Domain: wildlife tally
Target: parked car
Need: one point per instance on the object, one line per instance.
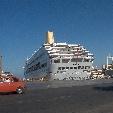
(12, 84)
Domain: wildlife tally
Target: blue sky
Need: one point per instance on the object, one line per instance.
(23, 24)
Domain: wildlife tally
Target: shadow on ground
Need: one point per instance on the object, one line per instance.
(103, 88)
(8, 93)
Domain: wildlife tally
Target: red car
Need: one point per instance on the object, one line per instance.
(12, 84)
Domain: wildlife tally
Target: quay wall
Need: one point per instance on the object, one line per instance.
(66, 83)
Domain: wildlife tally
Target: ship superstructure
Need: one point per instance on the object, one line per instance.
(59, 61)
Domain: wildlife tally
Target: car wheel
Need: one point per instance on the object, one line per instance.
(20, 90)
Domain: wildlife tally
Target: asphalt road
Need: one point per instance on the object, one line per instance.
(78, 99)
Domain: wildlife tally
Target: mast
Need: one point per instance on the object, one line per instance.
(0, 65)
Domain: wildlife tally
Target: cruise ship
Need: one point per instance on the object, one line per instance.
(59, 61)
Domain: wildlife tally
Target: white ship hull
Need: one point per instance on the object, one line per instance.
(59, 61)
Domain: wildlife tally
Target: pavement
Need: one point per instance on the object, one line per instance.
(96, 98)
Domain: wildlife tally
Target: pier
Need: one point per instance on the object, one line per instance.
(96, 98)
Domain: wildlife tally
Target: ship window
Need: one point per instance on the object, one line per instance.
(87, 67)
(57, 71)
(35, 67)
(91, 60)
(71, 67)
(65, 60)
(74, 64)
(47, 47)
(79, 59)
(59, 68)
(67, 67)
(38, 63)
(86, 60)
(32, 68)
(74, 60)
(57, 61)
(42, 65)
(79, 67)
(82, 67)
(75, 67)
(63, 68)
(50, 57)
